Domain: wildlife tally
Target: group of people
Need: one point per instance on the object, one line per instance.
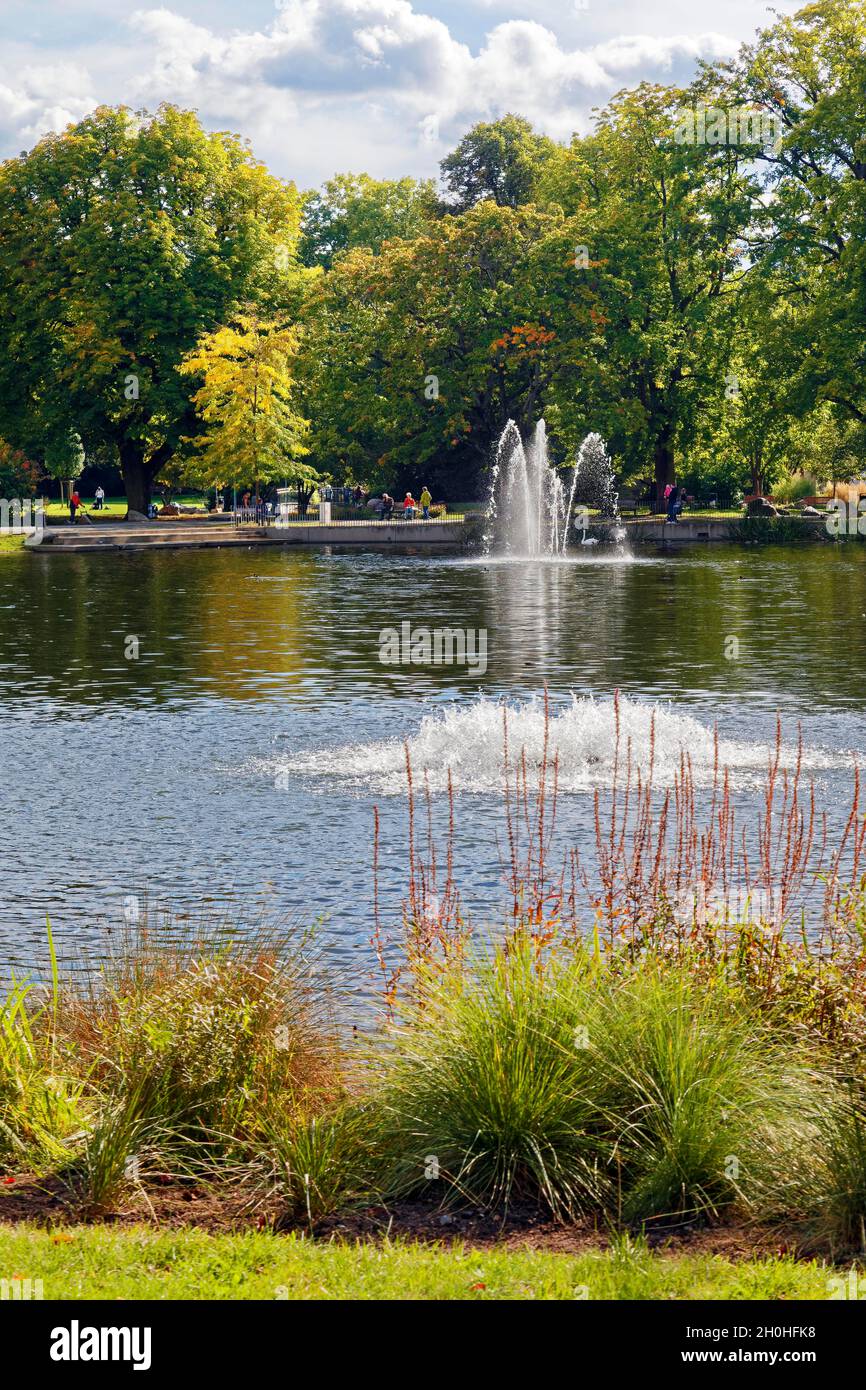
(385, 506)
(675, 499)
(76, 505)
(263, 510)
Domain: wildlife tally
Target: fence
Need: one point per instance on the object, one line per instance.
(340, 516)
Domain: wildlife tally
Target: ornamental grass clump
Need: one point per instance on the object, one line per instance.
(188, 1046)
(820, 1189)
(701, 1101)
(484, 1091)
(39, 1106)
(557, 1083)
(311, 1166)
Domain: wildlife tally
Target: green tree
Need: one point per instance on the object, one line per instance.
(122, 240)
(809, 72)
(420, 355)
(251, 429)
(353, 210)
(502, 161)
(64, 455)
(657, 223)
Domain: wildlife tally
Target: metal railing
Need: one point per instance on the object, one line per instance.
(340, 516)
(253, 516)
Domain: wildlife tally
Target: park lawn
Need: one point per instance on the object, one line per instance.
(8, 544)
(144, 1263)
(114, 507)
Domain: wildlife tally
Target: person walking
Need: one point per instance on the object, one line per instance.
(424, 502)
(74, 504)
(99, 499)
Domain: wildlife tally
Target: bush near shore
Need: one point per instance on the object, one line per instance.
(656, 1067)
(631, 1092)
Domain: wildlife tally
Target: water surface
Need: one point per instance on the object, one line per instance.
(239, 757)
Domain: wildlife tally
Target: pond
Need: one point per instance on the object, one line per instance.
(215, 727)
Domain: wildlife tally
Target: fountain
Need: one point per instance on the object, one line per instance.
(529, 509)
(593, 480)
(529, 512)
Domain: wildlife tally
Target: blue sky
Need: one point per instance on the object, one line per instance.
(321, 86)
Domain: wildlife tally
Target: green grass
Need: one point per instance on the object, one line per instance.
(114, 508)
(9, 544)
(139, 1263)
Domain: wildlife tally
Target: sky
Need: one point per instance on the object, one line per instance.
(327, 86)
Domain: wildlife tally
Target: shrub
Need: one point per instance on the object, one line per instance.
(795, 488)
(484, 1092)
(200, 1039)
(644, 1096)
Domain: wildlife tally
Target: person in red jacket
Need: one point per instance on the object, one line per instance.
(74, 504)
(409, 507)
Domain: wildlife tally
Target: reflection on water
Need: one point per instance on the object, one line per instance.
(188, 769)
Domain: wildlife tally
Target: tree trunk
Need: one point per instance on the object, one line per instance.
(304, 494)
(664, 469)
(137, 476)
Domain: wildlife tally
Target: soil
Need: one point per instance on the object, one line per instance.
(170, 1204)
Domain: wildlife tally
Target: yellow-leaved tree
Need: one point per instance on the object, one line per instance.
(252, 432)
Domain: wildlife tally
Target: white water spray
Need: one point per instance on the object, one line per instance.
(529, 510)
(580, 734)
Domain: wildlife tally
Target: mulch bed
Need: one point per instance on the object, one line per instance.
(170, 1204)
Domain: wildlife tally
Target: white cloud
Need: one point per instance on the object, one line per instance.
(335, 84)
(637, 52)
(39, 98)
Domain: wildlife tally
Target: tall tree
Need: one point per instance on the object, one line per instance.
(252, 430)
(421, 355)
(809, 72)
(658, 225)
(502, 161)
(122, 240)
(353, 210)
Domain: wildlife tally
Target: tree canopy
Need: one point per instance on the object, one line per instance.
(122, 240)
(251, 429)
(676, 278)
